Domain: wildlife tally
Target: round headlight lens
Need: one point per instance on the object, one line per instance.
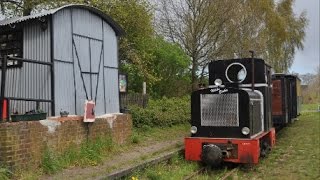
(218, 82)
(193, 129)
(245, 131)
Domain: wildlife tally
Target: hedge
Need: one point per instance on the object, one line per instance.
(162, 113)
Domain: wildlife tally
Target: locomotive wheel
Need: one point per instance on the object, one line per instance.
(211, 155)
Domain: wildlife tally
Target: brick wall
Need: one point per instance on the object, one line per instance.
(22, 143)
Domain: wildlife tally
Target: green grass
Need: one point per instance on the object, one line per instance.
(176, 168)
(296, 154)
(310, 107)
(93, 153)
(90, 153)
(5, 173)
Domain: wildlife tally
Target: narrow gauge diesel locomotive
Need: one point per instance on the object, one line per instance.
(286, 99)
(231, 120)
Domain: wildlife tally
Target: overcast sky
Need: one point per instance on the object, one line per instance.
(307, 60)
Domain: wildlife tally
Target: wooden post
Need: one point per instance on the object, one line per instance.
(144, 95)
(144, 88)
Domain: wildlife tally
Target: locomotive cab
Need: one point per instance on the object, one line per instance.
(231, 120)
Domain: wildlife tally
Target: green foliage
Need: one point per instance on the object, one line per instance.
(89, 153)
(5, 173)
(210, 30)
(171, 68)
(162, 113)
(135, 138)
(136, 46)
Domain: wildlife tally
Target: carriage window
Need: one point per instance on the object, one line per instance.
(11, 45)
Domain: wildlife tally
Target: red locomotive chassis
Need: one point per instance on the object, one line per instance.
(246, 151)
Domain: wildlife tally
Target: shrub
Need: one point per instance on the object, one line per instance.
(162, 113)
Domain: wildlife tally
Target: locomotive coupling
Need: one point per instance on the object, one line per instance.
(226, 154)
(211, 155)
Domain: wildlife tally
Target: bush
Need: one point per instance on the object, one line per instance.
(162, 113)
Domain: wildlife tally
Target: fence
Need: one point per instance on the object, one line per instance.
(138, 99)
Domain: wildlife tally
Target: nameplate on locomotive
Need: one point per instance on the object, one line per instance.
(218, 90)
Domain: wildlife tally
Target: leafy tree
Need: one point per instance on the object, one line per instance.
(286, 34)
(217, 29)
(201, 27)
(171, 68)
(135, 16)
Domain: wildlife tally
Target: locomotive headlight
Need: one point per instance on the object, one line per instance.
(193, 129)
(245, 131)
(218, 82)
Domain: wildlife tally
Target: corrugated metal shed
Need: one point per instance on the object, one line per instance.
(119, 31)
(81, 44)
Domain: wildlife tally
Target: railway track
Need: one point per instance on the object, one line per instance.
(197, 173)
(165, 157)
(127, 171)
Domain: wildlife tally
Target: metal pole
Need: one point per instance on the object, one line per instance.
(3, 84)
(252, 70)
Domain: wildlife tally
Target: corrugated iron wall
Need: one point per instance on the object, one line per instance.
(63, 61)
(89, 33)
(110, 44)
(31, 80)
(93, 38)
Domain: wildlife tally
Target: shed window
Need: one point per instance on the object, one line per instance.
(11, 45)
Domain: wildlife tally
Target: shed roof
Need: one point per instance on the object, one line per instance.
(15, 20)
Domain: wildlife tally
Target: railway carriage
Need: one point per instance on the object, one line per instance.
(231, 120)
(286, 99)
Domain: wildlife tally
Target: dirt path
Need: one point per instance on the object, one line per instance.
(123, 160)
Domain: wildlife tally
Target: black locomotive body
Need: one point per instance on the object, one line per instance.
(232, 120)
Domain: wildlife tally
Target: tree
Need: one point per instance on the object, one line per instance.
(312, 94)
(307, 78)
(11, 8)
(201, 27)
(171, 68)
(209, 30)
(135, 16)
(287, 33)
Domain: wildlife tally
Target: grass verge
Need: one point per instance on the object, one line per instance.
(176, 168)
(93, 153)
(295, 156)
(310, 107)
